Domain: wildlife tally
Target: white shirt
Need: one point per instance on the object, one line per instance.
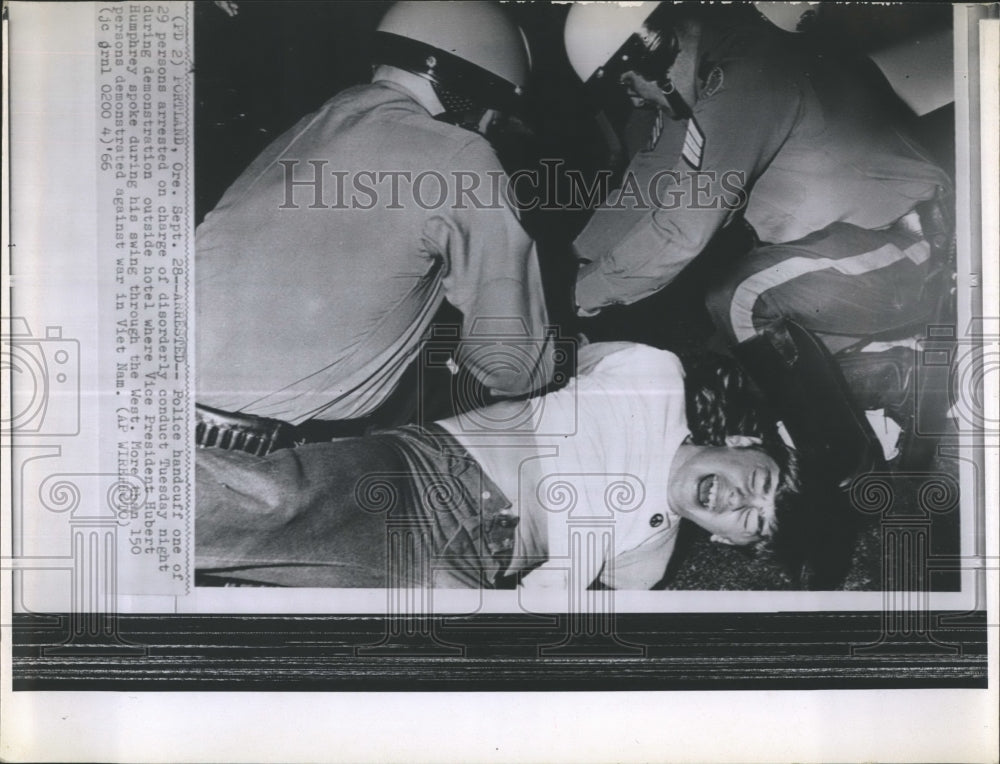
(587, 466)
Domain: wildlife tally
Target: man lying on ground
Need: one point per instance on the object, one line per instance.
(505, 493)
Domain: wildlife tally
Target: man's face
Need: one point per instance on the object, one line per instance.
(729, 491)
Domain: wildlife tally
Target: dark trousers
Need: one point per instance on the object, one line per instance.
(844, 283)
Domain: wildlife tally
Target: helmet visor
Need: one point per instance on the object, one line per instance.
(649, 55)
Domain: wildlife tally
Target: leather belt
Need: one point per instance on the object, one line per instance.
(241, 432)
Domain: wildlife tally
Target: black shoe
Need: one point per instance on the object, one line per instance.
(888, 381)
(803, 384)
(882, 381)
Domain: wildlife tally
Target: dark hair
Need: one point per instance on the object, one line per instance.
(787, 499)
(721, 401)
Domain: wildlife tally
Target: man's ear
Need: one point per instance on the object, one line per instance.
(742, 441)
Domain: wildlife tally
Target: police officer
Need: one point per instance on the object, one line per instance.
(323, 265)
(801, 149)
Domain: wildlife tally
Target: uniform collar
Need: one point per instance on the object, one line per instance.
(404, 91)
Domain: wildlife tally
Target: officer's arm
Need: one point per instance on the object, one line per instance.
(492, 277)
(733, 136)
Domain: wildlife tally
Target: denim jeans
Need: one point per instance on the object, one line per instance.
(403, 507)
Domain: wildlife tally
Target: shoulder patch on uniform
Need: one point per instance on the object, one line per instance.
(694, 144)
(713, 82)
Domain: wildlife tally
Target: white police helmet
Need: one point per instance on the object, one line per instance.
(604, 40)
(472, 53)
(790, 17)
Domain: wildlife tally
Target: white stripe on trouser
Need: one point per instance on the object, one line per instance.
(753, 287)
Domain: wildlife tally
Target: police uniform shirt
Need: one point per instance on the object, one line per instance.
(324, 263)
(794, 138)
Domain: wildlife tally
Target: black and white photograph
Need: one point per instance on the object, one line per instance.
(637, 356)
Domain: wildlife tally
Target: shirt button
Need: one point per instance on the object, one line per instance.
(487, 495)
(656, 520)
